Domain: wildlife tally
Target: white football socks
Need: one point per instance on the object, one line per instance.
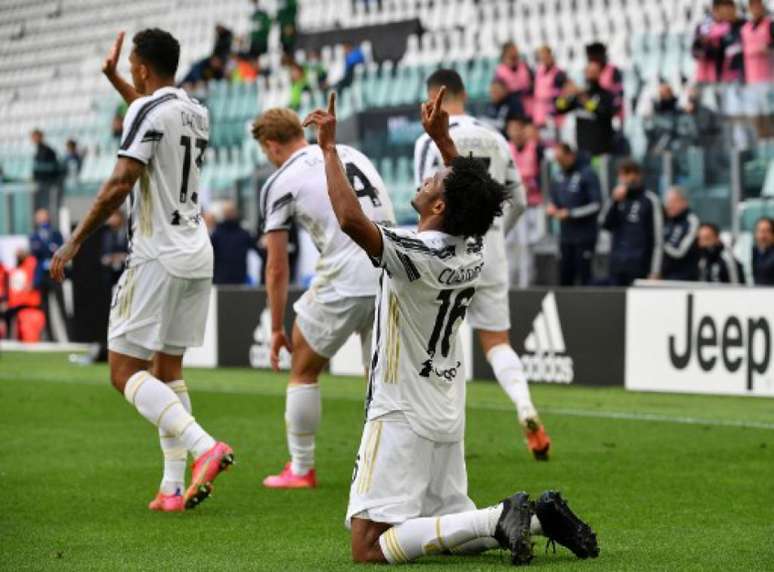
(432, 535)
(302, 419)
(161, 406)
(510, 374)
(175, 454)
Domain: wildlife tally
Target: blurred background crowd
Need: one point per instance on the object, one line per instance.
(644, 132)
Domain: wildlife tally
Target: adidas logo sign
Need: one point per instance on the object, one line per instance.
(545, 359)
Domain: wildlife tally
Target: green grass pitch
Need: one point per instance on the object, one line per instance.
(669, 482)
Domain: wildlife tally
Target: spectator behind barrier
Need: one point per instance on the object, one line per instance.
(73, 161)
(223, 40)
(115, 248)
(502, 105)
(44, 241)
(286, 18)
(716, 262)
(681, 227)
(353, 57)
(758, 48)
(610, 77)
(549, 83)
(24, 299)
(298, 85)
(576, 200)
(708, 47)
(763, 253)
(516, 75)
(527, 153)
(46, 172)
(635, 219)
(260, 27)
(594, 107)
(230, 245)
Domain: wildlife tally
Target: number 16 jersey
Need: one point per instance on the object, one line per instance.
(168, 132)
(298, 191)
(417, 368)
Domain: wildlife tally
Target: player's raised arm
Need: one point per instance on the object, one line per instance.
(111, 196)
(352, 220)
(435, 120)
(110, 69)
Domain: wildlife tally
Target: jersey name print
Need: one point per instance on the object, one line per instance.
(428, 281)
(168, 132)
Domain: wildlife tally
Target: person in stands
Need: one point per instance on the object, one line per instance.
(681, 227)
(549, 83)
(576, 200)
(610, 77)
(717, 263)
(763, 253)
(758, 50)
(516, 74)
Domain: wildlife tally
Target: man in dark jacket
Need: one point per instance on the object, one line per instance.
(681, 227)
(595, 111)
(230, 245)
(763, 253)
(44, 241)
(716, 262)
(576, 200)
(635, 220)
(46, 173)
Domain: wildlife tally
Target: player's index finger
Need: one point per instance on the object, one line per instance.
(439, 97)
(332, 103)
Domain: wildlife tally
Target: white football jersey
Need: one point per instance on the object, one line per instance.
(299, 191)
(472, 137)
(417, 367)
(168, 132)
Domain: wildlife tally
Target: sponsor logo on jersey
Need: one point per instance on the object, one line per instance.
(260, 351)
(546, 358)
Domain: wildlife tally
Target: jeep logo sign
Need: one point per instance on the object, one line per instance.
(700, 341)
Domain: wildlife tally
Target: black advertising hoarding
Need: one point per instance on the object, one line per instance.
(567, 336)
(244, 326)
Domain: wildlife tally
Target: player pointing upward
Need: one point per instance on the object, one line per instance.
(160, 304)
(409, 492)
(489, 313)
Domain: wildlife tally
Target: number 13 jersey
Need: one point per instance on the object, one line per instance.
(299, 191)
(168, 133)
(417, 367)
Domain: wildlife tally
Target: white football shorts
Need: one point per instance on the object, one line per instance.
(326, 326)
(153, 311)
(399, 475)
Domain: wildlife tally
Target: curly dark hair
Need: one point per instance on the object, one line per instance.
(159, 49)
(473, 198)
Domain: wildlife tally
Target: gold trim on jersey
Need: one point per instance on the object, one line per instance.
(393, 340)
(126, 295)
(369, 457)
(146, 205)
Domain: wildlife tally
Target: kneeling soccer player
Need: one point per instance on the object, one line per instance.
(160, 304)
(409, 491)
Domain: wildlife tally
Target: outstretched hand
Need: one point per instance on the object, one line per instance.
(110, 64)
(435, 119)
(325, 121)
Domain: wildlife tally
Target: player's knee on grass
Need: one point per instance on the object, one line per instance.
(365, 540)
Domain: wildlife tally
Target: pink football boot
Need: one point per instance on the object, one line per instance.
(204, 470)
(167, 503)
(287, 479)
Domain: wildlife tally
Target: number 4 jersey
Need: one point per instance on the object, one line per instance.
(417, 367)
(299, 191)
(168, 133)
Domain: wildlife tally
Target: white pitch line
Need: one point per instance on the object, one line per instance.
(225, 388)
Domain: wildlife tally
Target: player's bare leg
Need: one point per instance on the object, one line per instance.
(510, 374)
(302, 416)
(506, 524)
(160, 405)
